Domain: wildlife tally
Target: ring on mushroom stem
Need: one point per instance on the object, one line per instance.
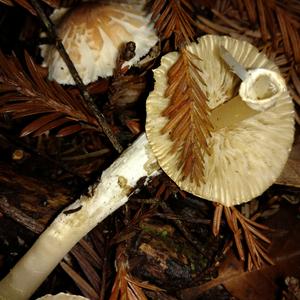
(260, 88)
(92, 33)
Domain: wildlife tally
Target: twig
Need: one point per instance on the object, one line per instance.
(217, 219)
(20, 217)
(89, 103)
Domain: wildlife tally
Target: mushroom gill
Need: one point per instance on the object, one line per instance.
(92, 33)
(247, 148)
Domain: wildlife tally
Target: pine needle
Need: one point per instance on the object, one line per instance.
(188, 125)
(173, 17)
(247, 229)
(29, 93)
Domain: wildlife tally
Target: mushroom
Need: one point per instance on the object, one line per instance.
(92, 33)
(252, 132)
(248, 151)
(62, 296)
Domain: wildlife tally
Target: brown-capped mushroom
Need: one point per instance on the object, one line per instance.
(248, 147)
(92, 34)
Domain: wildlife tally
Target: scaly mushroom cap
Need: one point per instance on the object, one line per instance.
(248, 148)
(92, 34)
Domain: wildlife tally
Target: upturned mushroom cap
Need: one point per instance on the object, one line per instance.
(92, 34)
(62, 296)
(248, 148)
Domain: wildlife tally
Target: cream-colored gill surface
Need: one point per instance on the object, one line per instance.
(248, 149)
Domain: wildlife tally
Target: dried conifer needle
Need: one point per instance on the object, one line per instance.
(188, 125)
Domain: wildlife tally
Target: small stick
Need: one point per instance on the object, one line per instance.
(217, 219)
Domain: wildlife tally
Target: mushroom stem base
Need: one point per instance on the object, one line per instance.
(111, 192)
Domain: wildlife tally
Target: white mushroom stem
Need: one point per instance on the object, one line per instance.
(78, 219)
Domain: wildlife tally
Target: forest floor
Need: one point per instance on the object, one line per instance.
(162, 238)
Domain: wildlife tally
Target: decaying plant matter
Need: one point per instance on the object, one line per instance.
(126, 286)
(244, 229)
